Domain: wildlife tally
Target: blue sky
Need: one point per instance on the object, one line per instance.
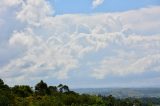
(81, 43)
(85, 6)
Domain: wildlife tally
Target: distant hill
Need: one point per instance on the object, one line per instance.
(122, 92)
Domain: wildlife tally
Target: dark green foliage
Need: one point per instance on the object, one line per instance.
(52, 89)
(3, 86)
(61, 95)
(41, 88)
(60, 87)
(5, 94)
(22, 90)
(63, 88)
(4, 100)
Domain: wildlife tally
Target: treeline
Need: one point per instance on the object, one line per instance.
(61, 95)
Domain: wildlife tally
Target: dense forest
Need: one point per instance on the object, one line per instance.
(61, 95)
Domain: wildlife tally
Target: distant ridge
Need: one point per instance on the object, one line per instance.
(121, 92)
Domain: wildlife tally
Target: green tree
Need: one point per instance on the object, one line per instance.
(137, 102)
(65, 88)
(3, 86)
(22, 90)
(5, 94)
(60, 87)
(52, 88)
(110, 100)
(4, 100)
(41, 88)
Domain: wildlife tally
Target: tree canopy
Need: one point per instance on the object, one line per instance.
(61, 95)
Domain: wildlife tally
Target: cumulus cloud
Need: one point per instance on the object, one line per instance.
(34, 11)
(10, 2)
(126, 64)
(55, 46)
(4, 4)
(24, 38)
(96, 3)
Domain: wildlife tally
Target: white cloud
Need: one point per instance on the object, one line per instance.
(96, 3)
(10, 2)
(23, 38)
(55, 46)
(126, 64)
(147, 25)
(4, 4)
(33, 11)
(41, 56)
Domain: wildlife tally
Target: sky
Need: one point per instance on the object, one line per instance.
(81, 43)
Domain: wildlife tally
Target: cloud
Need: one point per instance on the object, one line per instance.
(25, 38)
(4, 4)
(41, 55)
(54, 46)
(96, 3)
(126, 64)
(10, 2)
(34, 11)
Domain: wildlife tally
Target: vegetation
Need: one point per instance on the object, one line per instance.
(61, 95)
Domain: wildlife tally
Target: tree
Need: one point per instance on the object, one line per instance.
(4, 100)
(1, 82)
(41, 88)
(52, 88)
(65, 88)
(22, 90)
(137, 102)
(60, 86)
(110, 100)
(3, 86)
(5, 94)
